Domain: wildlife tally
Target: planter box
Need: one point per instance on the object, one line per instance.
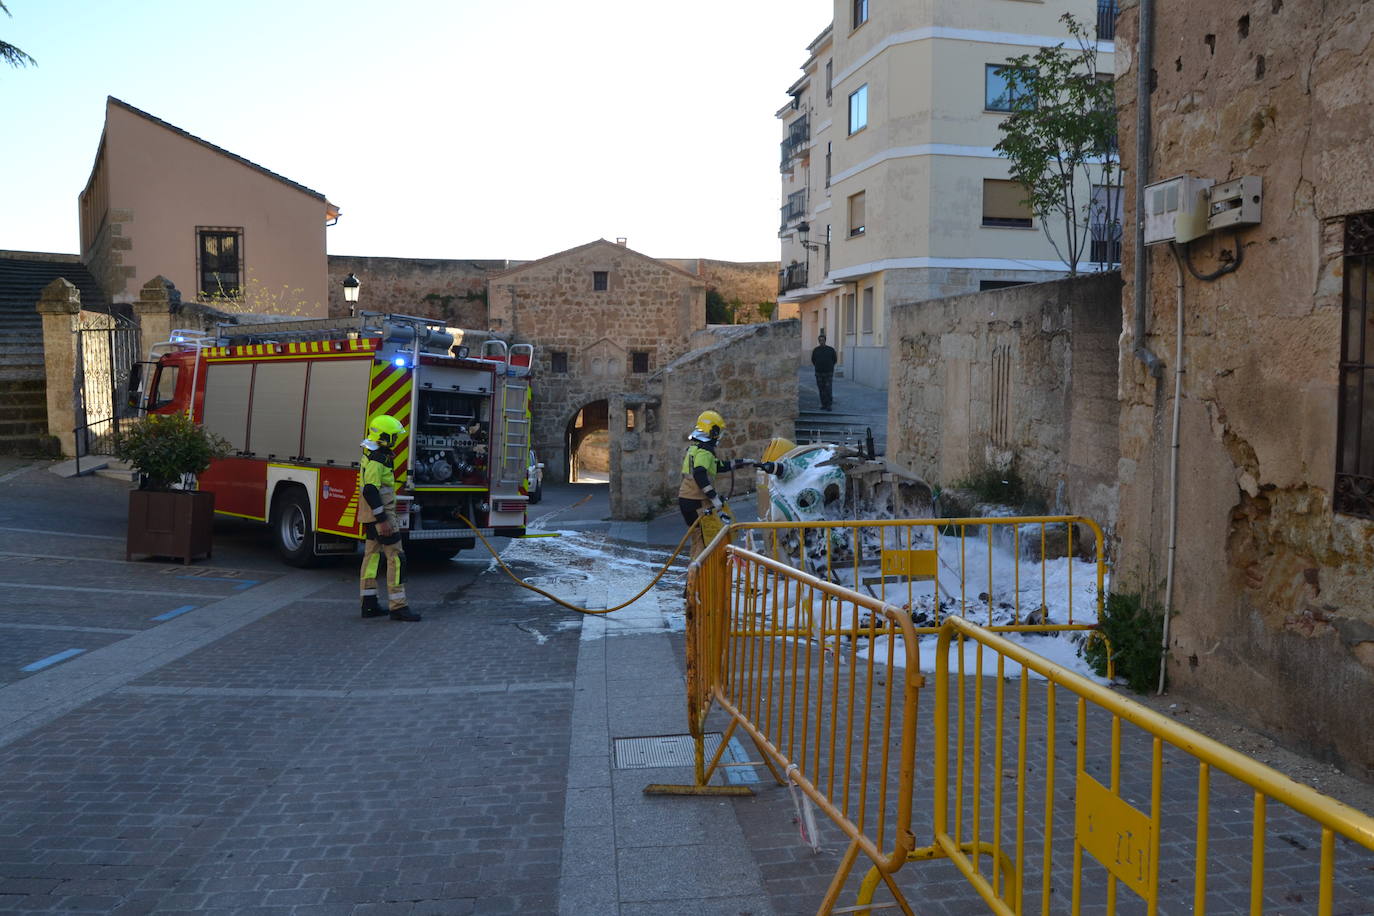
(174, 523)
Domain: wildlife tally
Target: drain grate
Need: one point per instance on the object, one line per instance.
(660, 751)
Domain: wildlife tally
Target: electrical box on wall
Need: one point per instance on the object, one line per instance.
(1176, 209)
(1235, 203)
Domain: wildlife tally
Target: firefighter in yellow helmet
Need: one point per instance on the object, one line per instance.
(377, 511)
(697, 495)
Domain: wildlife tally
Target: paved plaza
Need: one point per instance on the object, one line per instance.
(229, 736)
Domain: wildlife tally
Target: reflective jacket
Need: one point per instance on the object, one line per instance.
(377, 487)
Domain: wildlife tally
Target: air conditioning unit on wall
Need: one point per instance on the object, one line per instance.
(1176, 209)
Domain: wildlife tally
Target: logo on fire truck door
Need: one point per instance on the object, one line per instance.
(337, 509)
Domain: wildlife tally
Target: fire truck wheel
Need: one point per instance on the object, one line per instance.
(291, 528)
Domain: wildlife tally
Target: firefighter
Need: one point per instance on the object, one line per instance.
(697, 495)
(377, 509)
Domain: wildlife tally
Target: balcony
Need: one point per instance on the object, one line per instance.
(793, 210)
(1106, 20)
(791, 277)
(798, 135)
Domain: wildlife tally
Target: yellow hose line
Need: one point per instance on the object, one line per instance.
(567, 604)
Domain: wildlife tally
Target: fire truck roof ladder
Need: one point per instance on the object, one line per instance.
(431, 333)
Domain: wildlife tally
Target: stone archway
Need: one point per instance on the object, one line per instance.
(587, 444)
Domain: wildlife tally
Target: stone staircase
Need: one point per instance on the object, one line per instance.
(23, 385)
(856, 409)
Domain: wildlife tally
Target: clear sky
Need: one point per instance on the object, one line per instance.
(441, 128)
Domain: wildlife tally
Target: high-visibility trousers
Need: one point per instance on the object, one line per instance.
(374, 549)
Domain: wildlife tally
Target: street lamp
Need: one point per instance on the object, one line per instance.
(350, 287)
(803, 230)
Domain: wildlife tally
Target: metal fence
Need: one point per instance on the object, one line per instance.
(106, 350)
(807, 638)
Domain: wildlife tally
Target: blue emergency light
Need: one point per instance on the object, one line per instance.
(400, 361)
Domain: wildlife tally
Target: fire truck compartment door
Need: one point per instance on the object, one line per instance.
(278, 408)
(336, 412)
(451, 378)
(226, 401)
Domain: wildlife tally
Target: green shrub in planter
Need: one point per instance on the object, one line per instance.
(163, 448)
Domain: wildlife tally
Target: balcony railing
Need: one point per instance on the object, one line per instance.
(794, 209)
(1105, 247)
(791, 277)
(798, 134)
(1106, 20)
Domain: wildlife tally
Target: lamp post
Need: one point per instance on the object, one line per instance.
(350, 288)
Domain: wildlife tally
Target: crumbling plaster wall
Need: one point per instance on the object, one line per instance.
(1023, 376)
(750, 377)
(1274, 592)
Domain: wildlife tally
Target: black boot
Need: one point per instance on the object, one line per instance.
(371, 608)
(404, 613)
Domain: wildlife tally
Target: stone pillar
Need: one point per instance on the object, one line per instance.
(158, 301)
(59, 304)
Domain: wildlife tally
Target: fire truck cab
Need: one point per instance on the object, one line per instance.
(294, 399)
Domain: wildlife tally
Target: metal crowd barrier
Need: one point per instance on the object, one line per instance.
(807, 640)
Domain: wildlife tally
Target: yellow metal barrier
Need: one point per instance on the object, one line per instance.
(1123, 821)
(807, 640)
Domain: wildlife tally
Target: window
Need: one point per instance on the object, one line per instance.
(639, 361)
(560, 362)
(1106, 20)
(997, 95)
(629, 418)
(1004, 204)
(1104, 224)
(1355, 415)
(860, 13)
(858, 109)
(164, 386)
(219, 262)
(868, 310)
(601, 279)
(829, 75)
(849, 315)
(857, 217)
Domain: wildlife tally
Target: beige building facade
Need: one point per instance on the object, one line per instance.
(891, 189)
(1271, 588)
(160, 201)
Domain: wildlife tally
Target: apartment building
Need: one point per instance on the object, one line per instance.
(891, 189)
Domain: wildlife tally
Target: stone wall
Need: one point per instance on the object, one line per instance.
(1022, 377)
(749, 376)
(1273, 597)
(108, 259)
(751, 282)
(454, 290)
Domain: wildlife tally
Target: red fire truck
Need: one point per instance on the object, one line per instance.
(294, 399)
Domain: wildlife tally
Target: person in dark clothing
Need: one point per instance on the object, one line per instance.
(823, 358)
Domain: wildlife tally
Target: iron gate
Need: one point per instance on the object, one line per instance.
(106, 351)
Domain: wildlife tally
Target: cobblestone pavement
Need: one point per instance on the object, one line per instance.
(230, 737)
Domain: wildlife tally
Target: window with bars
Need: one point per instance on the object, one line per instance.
(559, 362)
(1355, 419)
(601, 280)
(639, 361)
(219, 262)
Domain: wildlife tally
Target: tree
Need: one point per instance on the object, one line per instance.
(9, 53)
(1061, 135)
(718, 311)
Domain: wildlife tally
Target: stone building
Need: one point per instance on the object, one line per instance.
(452, 289)
(1272, 585)
(891, 190)
(603, 318)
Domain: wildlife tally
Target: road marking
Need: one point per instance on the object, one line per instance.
(15, 473)
(240, 584)
(110, 591)
(52, 660)
(64, 534)
(175, 612)
(32, 702)
(5, 625)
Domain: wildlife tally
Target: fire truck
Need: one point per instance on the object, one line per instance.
(294, 398)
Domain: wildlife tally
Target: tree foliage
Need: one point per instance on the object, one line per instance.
(1060, 140)
(9, 53)
(164, 448)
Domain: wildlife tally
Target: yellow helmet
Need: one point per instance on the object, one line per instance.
(385, 430)
(710, 424)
